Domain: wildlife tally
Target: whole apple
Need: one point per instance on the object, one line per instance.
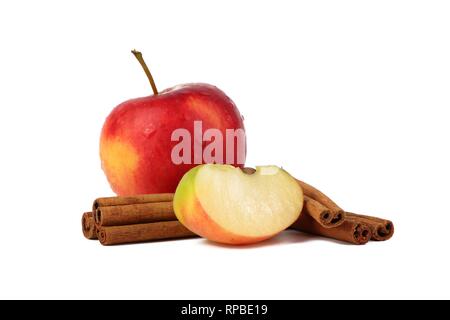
(137, 140)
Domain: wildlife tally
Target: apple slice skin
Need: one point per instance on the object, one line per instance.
(193, 216)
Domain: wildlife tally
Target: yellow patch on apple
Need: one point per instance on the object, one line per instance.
(120, 161)
(226, 205)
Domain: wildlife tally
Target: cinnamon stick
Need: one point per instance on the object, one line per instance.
(143, 232)
(124, 200)
(88, 226)
(381, 229)
(322, 214)
(310, 191)
(350, 230)
(134, 214)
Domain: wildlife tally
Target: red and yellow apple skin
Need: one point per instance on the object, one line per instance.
(192, 214)
(135, 143)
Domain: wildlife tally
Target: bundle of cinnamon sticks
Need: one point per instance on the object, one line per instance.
(322, 216)
(142, 218)
(120, 220)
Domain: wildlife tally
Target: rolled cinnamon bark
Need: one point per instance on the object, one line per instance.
(143, 232)
(322, 214)
(144, 198)
(134, 214)
(88, 226)
(319, 196)
(381, 229)
(351, 231)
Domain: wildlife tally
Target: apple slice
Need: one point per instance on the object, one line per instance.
(226, 205)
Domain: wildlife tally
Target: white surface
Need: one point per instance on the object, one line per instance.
(351, 96)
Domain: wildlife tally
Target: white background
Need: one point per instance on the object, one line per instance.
(351, 96)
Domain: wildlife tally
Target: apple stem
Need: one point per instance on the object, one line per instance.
(139, 58)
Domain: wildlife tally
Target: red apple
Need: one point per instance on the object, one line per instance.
(139, 138)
